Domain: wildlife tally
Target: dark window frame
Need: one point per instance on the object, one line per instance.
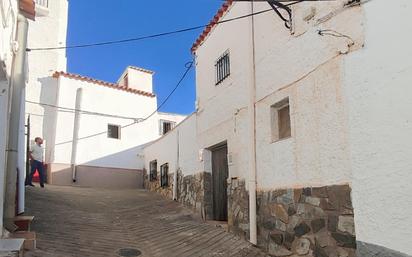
(281, 123)
(110, 133)
(164, 175)
(222, 67)
(153, 170)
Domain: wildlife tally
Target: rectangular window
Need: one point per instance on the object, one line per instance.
(280, 119)
(166, 126)
(164, 175)
(153, 170)
(222, 67)
(113, 131)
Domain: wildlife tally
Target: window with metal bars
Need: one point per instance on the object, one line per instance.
(113, 131)
(153, 170)
(164, 175)
(222, 68)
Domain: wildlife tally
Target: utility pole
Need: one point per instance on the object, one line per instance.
(16, 89)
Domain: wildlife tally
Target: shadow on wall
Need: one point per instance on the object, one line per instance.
(109, 171)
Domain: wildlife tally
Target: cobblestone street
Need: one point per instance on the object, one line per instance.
(84, 222)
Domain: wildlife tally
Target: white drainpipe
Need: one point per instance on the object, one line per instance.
(175, 185)
(18, 83)
(76, 126)
(252, 136)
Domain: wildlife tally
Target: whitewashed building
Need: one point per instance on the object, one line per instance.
(300, 140)
(49, 30)
(97, 129)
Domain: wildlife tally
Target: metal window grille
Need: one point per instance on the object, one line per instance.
(153, 170)
(222, 68)
(44, 3)
(167, 126)
(113, 131)
(164, 175)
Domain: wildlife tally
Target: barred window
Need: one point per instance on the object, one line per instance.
(222, 67)
(164, 175)
(113, 131)
(153, 170)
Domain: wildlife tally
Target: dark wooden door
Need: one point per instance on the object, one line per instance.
(219, 187)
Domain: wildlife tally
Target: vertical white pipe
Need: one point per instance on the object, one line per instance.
(175, 185)
(76, 126)
(22, 155)
(18, 83)
(252, 137)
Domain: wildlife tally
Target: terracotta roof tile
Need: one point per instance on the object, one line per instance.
(220, 13)
(102, 83)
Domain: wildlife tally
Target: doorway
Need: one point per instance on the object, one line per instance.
(220, 173)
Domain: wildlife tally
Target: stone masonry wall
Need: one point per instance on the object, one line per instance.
(310, 222)
(154, 186)
(238, 208)
(194, 191)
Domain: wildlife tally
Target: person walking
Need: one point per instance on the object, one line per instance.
(36, 157)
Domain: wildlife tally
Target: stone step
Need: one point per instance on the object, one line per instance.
(11, 247)
(23, 222)
(29, 239)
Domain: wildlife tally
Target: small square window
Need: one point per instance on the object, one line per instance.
(113, 131)
(166, 126)
(222, 67)
(164, 175)
(153, 170)
(280, 119)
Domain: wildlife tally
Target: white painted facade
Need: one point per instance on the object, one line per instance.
(349, 107)
(178, 148)
(49, 30)
(8, 16)
(378, 92)
(94, 147)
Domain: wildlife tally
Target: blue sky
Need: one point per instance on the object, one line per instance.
(105, 20)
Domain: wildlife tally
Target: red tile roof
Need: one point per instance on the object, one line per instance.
(222, 11)
(57, 74)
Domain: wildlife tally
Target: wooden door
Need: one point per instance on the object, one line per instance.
(219, 185)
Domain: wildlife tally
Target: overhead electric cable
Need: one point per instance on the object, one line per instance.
(188, 66)
(65, 109)
(120, 41)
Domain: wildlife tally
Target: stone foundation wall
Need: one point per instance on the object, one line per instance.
(311, 222)
(238, 208)
(194, 191)
(154, 186)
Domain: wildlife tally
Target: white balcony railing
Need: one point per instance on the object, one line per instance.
(43, 3)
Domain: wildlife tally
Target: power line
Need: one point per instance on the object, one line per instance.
(188, 66)
(70, 110)
(168, 33)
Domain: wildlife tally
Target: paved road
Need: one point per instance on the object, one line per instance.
(86, 222)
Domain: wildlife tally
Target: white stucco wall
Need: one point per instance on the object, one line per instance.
(139, 79)
(179, 144)
(378, 89)
(48, 30)
(222, 108)
(100, 150)
(306, 68)
(303, 66)
(8, 16)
